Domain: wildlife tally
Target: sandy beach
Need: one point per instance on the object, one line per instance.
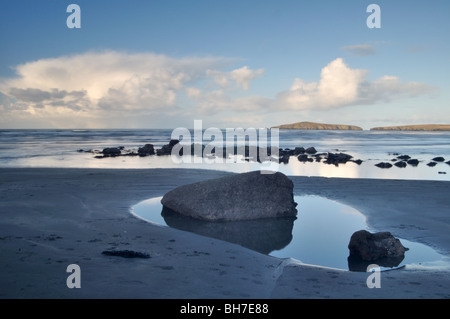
(51, 218)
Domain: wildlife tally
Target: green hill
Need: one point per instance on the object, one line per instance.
(317, 126)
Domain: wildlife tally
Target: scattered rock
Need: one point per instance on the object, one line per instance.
(400, 164)
(146, 150)
(245, 196)
(304, 158)
(404, 157)
(125, 253)
(111, 152)
(167, 149)
(384, 165)
(442, 172)
(337, 158)
(438, 159)
(432, 164)
(310, 150)
(372, 247)
(299, 150)
(358, 161)
(283, 159)
(413, 162)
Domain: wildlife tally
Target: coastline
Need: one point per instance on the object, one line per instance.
(53, 217)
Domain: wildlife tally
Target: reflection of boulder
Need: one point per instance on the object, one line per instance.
(245, 196)
(262, 235)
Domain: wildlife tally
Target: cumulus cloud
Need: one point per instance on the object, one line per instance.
(341, 86)
(97, 82)
(242, 77)
(101, 89)
(360, 49)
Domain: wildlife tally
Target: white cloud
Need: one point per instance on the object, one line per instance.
(113, 89)
(244, 76)
(341, 86)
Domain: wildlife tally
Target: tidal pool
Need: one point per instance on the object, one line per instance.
(319, 235)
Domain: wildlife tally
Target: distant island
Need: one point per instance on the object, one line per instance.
(318, 126)
(423, 127)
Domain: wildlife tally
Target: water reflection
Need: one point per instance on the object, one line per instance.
(319, 235)
(262, 235)
(357, 264)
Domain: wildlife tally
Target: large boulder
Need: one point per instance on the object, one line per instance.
(245, 196)
(376, 246)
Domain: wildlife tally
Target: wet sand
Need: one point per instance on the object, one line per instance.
(51, 218)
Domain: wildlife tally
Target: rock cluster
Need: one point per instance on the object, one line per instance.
(405, 160)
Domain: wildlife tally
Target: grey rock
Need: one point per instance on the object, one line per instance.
(245, 196)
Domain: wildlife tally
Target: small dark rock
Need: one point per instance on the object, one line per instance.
(304, 158)
(283, 159)
(404, 157)
(413, 162)
(337, 158)
(442, 172)
(358, 161)
(111, 151)
(147, 149)
(384, 165)
(299, 150)
(439, 159)
(167, 149)
(400, 164)
(432, 164)
(310, 150)
(125, 253)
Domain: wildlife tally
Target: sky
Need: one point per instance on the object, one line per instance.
(247, 63)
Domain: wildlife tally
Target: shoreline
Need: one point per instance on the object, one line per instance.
(53, 217)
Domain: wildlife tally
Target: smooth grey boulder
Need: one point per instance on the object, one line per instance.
(376, 246)
(245, 196)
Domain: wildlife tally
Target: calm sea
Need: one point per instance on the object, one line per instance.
(61, 148)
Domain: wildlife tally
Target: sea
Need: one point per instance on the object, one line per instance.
(78, 148)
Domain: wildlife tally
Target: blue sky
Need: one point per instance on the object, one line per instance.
(163, 64)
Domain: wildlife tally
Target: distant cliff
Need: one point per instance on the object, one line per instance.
(426, 127)
(318, 126)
